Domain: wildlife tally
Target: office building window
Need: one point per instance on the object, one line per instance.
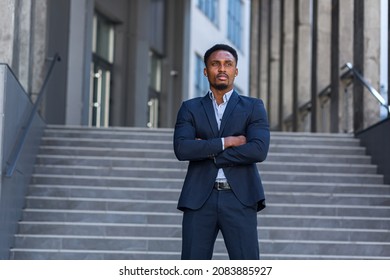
(209, 8)
(235, 22)
(201, 82)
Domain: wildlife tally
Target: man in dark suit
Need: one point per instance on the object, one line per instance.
(222, 135)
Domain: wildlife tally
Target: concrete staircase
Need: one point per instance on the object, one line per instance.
(112, 194)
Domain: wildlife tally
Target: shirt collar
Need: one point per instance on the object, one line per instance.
(226, 96)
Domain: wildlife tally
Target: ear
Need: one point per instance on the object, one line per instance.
(236, 72)
(205, 72)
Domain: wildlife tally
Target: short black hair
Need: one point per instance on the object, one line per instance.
(219, 47)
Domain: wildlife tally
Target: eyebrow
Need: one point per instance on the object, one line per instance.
(222, 60)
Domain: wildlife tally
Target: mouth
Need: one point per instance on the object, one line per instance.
(222, 77)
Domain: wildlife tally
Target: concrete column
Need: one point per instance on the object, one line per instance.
(304, 59)
(335, 69)
(371, 60)
(76, 77)
(288, 67)
(7, 30)
(176, 30)
(281, 62)
(346, 31)
(24, 43)
(254, 48)
(39, 44)
(23, 40)
(323, 61)
(274, 64)
(358, 63)
(263, 73)
(314, 67)
(138, 61)
(346, 55)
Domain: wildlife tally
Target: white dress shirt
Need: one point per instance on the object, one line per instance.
(219, 110)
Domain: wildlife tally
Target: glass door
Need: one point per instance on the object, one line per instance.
(101, 71)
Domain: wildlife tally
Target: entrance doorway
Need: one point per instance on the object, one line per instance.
(101, 71)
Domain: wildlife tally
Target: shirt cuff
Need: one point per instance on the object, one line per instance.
(223, 143)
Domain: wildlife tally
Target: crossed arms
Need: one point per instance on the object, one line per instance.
(239, 149)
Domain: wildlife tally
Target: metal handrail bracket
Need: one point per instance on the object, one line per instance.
(17, 149)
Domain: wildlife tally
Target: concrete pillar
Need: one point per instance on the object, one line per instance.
(288, 68)
(39, 45)
(371, 60)
(76, 69)
(138, 83)
(358, 63)
(173, 66)
(7, 28)
(263, 73)
(304, 59)
(254, 48)
(274, 64)
(346, 31)
(24, 40)
(346, 55)
(323, 61)
(335, 69)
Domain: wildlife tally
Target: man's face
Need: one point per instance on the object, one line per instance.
(221, 70)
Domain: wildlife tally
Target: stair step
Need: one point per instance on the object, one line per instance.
(327, 187)
(146, 217)
(172, 194)
(167, 145)
(283, 187)
(44, 254)
(167, 160)
(106, 152)
(169, 196)
(174, 230)
(128, 178)
(58, 137)
(326, 207)
(318, 158)
(168, 166)
(106, 181)
(314, 248)
(111, 193)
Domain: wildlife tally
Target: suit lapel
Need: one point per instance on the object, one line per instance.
(234, 98)
(208, 107)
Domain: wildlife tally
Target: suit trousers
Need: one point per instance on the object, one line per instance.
(221, 212)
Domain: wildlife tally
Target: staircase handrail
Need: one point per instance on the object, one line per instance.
(17, 149)
(367, 85)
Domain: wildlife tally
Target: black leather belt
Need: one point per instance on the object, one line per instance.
(222, 186)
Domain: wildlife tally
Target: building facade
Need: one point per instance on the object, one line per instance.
(299, 52)
(123, 63)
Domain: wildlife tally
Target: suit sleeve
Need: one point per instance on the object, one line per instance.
(186, 145)
(257, 136)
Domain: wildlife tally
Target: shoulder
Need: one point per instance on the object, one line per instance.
(250, 100)
(195, 102)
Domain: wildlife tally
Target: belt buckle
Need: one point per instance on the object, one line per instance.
(222, 186)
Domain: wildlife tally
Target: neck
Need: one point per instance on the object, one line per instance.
(218, 94)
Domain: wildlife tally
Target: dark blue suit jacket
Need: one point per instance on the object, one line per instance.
(196, 120)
